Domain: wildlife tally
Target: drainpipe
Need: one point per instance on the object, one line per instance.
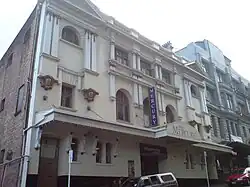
(40, 15)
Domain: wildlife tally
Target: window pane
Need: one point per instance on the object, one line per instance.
(20, 98)
(74, 147)
(99, 152)
(108, 153)
(67, 96)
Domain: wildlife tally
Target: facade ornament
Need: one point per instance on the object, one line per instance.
(89, 94)
(47, 81)
(208, 128)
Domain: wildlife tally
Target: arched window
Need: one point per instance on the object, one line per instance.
(74, 147)
(122, 106)
(194, 91)
(70, 34)
(169, 115)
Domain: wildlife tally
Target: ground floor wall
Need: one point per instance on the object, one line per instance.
(181, 158)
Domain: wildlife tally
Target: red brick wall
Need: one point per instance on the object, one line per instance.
(11, 78)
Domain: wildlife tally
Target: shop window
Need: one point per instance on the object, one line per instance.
(70, 34)
(99, 152)
(186, 162)
(2, 154)
(192, 161)
(20, 98)
(74, 147)
(122, 106)
(108, 153)
(67, 96)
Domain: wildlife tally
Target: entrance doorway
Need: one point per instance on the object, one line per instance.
(48, 163)
(150, 157)
(149, 164)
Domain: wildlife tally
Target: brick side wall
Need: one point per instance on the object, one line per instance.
(11, 78)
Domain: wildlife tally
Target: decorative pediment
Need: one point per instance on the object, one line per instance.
(89, 94)
(47, 81)
(86, 6)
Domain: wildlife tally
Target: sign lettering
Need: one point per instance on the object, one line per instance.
(181, 131)
(153, 108)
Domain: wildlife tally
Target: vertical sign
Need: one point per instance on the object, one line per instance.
(153, 108)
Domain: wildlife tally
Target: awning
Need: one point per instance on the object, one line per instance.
(214, 147)
(239, 147)
(179, 130)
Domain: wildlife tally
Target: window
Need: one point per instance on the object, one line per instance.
(229, 101)
(122, 106)
(10, 59)
(192, 163)
(167, 178)
(194, 91)
(2, 154)
(74, 147)
(210, 95)
(233, 128)
(169, 115)
(70, 34)
(67, 96)
(166, 76)
(27, 36)
(237, 129)
(244, 131)
(202, 156)
(9, 155)
(146, 68)
(155, 180)
(228, 127)
(219, 76)
(186, 160)
(2, 105)
(99, 152)
(108, 153)
(20, 98)
(204, 66)
(121, 56)
(214, 125)
(222, 129)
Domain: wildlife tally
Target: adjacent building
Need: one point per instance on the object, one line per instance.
(227, 95)
(80, 80)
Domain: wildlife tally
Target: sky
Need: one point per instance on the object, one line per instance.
(224, 22)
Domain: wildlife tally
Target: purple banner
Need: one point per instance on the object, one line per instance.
(153, 108)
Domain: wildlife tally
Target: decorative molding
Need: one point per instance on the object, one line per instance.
(89, 94)
(47, 81)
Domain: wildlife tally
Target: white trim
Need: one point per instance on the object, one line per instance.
(31, 115)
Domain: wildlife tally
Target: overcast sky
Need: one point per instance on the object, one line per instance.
(223, 22)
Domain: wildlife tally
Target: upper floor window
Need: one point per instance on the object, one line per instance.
(74, 147)
(121, 56)
(27, 36)
(122, 106)
(10, 59)
(220, 76)
(204, 66)
(2, 105)
(166, 76)
(210, 95)
(169, 114)
(20, 98)
(213, 121)
(194, 91)
(244, 131)
(229, 99)
(146, 68)
(67, 96)
(2, 154)
(70, 34)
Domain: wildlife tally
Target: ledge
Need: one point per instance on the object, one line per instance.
(66, 108)
(69, 43)
(90, 72)
(45, 55)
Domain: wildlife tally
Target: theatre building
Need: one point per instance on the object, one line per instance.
(124, 104)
